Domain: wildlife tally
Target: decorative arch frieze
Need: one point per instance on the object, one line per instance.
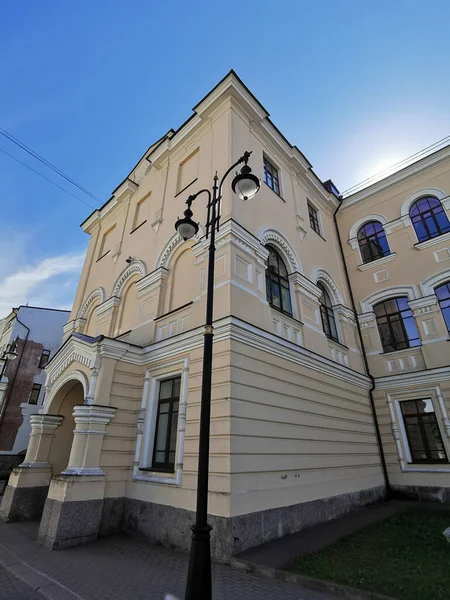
(136, 267)
(322, 276)
(97, 294)
(271, 236)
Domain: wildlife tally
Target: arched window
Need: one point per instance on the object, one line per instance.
(429, 218)
(277, 283)
(372, 241)
(443, 294)
(327, 313)
(396, 324)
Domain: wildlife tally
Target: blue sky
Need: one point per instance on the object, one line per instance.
(355, 85)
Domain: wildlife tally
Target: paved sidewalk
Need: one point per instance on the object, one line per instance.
(12, 588)
(122, 567)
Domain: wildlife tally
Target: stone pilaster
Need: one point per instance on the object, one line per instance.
(28, 484)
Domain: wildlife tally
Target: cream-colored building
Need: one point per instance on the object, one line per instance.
(396, 240)
(294, 440)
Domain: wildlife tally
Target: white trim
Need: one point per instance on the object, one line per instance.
(399, 430)
(136, 267)
(377, 262)
(319, 275)
(74, 375)
(147, 424)
(97, 293)
(406, 206)
(354, 229)
(270, 236)
(405, 380)
(393, 292)
(429, 284)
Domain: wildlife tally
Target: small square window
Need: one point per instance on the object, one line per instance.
(314, 218)
(271, 176)
(45, 357)
(34, 395)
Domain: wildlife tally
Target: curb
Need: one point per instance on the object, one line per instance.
(317, 585)
(44, 585)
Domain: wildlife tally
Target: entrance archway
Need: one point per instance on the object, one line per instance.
(68, 396)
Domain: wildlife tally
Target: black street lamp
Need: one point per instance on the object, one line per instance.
(245, 185)
(10, 353)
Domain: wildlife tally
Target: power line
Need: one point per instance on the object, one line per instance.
(48, 164)
(46, 178)
(398, 165)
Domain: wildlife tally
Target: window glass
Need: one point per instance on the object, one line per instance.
(422, 431)
(443, 294)
(396, 324)
(271, 175)
(372, 241)
(429, 218)
(45, 356)
(327, 314)
(313, 218)
(166, 425)
(277, 283)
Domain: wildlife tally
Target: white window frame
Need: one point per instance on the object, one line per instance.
(399, 431)
(147, 423)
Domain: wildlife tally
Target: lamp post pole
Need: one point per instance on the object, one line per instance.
(198, 586)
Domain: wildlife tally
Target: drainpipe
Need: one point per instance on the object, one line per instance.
(2, 414)
(366, 363)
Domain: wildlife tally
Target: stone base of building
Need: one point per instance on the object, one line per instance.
(422, 493)
(23, 503)
(170, 526)
(68, 524)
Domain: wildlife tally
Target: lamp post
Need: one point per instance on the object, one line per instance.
(10, 353)
(245, 185)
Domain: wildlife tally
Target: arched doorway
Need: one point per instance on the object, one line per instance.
(68, 396)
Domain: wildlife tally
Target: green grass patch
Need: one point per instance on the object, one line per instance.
(405, 556)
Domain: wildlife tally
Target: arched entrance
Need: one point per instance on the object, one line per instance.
(69, 395)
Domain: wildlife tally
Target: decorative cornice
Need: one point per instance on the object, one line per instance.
(74, 350)
(136, 266)
(323, 276)
(270, 235)
(152, 280)
(305, 286)
(125, 190)
(414, 378)
(107, 307)
(367, 320)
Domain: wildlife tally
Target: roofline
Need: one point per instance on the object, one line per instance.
(397, 175)
(43, 308)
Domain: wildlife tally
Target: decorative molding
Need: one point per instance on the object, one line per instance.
(97, 294)
(301, 227)
(367, 320)
(303, 285)
(424, 305)
(346, 314)
(408, 290)
(157, 220)
(268, 236)
(379, 261)
(323, 277)
(406, 205)
(353, 234)
(405, 380)
(151, 281)
(107, 307)
(429, 284)
(445, 237)
(136, 266)
(392, 225)
(73, 350)
(125, 190)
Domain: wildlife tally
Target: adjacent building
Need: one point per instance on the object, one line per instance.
(35, 334)
(306, 421)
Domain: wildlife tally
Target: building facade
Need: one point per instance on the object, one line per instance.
(36, 334)
(396, 239)
(294, 433)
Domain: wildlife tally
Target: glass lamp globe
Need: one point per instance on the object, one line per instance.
(245, 184)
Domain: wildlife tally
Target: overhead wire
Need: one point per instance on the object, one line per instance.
(397, 166)
(48, 164)
(47, 179)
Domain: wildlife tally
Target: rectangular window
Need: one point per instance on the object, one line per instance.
(140, 215)
(271, 176)
(106, 244)
(422, 430)
(396, 324)
(166, 425)
(45, 357)
(34, 395)
(314, 218)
